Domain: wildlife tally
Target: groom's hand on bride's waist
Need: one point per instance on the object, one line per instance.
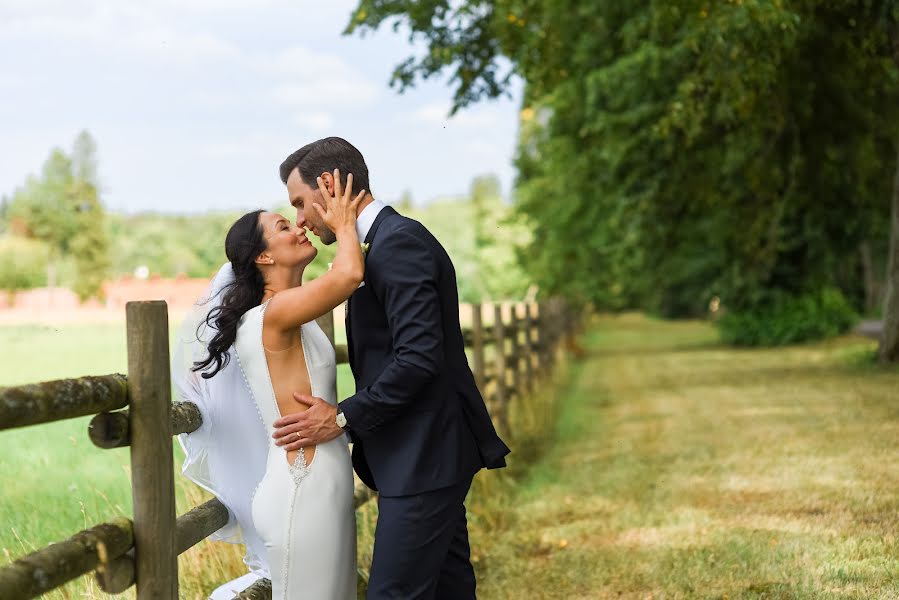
(315, 425)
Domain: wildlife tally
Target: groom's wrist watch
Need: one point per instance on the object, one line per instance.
(341, 418)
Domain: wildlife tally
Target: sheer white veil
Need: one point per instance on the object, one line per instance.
(227, 454)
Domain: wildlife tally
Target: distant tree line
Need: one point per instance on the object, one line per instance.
(54, 225)
(673, 152)
(55, 231)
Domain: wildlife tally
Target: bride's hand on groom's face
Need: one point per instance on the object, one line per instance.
(315, 425)
(339, 212)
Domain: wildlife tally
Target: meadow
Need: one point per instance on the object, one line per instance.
(682, 468)
(660, 465)
(56, 482)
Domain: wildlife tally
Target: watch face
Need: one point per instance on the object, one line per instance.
(341, 420)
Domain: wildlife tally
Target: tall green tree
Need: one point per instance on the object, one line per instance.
(42, 207)
(62, 209)
(90, 244)
(671, 151)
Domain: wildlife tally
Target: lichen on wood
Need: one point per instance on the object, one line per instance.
(50, 567)
(112, 429)
(61, 399)
(261, 590)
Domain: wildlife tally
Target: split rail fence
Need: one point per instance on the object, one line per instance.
(509, 350)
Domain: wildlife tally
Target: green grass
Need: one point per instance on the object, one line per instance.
(56, 482)
(662, 465)
(685, 469)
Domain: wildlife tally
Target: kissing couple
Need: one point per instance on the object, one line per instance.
(274, 443)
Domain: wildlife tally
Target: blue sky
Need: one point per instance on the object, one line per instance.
(194, 103)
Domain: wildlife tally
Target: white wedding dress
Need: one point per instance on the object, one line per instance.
(303, 514)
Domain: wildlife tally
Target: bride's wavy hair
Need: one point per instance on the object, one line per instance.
(243, 244)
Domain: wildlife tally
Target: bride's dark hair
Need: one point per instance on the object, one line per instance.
(243, 244)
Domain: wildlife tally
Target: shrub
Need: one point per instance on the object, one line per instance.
(785, 319)
(23, 263)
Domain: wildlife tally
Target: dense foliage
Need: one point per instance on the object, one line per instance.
(23, 263)
(61, 210)
(471, 229)
(476, 231)
(674, 151)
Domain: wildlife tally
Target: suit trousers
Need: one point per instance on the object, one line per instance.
(421, 547)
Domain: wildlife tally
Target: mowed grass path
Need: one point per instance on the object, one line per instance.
(685, 469)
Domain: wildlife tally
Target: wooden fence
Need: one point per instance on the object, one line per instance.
(509, 350)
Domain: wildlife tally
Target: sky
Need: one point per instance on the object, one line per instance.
(194, 103)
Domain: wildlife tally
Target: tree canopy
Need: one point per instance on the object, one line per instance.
(679, 150)
(61, 209)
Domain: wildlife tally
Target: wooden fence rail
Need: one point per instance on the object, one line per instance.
(508, 352)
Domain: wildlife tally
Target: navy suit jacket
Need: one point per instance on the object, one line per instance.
(417, 419)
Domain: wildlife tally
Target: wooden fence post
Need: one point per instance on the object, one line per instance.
(529, 346)
(477, 346)
(499, 343)
(152, 475)
(542, 338)
(514, 351)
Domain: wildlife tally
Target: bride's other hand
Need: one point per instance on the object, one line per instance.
(339, 212)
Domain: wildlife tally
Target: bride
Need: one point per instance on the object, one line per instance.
(258, 345)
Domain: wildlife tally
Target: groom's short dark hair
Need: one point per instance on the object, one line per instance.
(325, 155)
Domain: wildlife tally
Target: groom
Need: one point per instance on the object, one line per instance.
(419, 425)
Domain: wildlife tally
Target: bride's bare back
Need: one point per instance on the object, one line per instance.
(287, 366)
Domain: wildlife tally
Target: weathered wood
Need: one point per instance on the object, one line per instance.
(109, 430)
(261, 590)
(191, 528)
(61, 399)
(186, 417)
(477, 345)
(116, 575)
(152, 476)
(50, 567)
(557, 327)
(112, 430)
(514, 362)
(529, 349)
(499, 350)
(486, 335)
(541, 341)
(198, 523)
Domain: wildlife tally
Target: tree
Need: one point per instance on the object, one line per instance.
(62, 209)
(22, 263)
(680, 149)
(90, 244)
(43, 205)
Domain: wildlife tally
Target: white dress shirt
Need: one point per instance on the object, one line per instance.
(367, 218)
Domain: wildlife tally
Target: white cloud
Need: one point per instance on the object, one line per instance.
(316, 121)
(117, 27)
(298, 61)
(187, 88)
(433, 113)
(321, 79)
(482, 148)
